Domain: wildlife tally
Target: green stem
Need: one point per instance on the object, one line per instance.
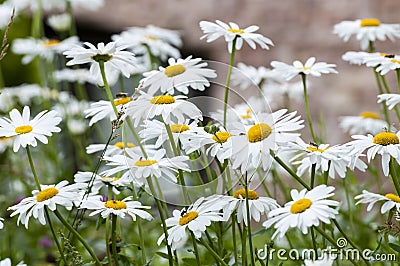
(349, 204)
(114, 238)
(312, 175)
(314, 242)
(249, 222)
(46, 212)
(136, 136)
(392, 171)
(378, 77)
(28, 151)
(244, 242)
(233, 216)
(398, 79)
(215, 255)
(79, 237)
(140, 229)
(109, 257)
(196, 250)
(228, 78)
(37, 27)
(387, 89)
(72, 27)
(309, 120)
(107, 87)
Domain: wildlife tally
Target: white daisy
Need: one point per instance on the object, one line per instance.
(196, 218)
(25, 131)
(388, 63)
(257, 205)
(384, 143)
(325, 261)
(252, 144)
(356, 58)
(213, 31)
(74, 75)
(367, 30)
(59, 22)
(50, 196)
(307, 208)
(7, 262)
(112, 149)
(391, 99)
(119, 208)
(246, 76)
(5, 142)
(104, 109)
(137, 169)
(309, 68)
(283, 91)
(180, 75)
(173, 109)
(46, 48)
(366, 122)
(98, 182)
(6, 10)
(115, 59)
(391, 200)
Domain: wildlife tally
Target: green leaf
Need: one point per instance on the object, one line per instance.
(395, 247)
(163, 255)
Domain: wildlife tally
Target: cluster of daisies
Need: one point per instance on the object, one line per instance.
(170, 139)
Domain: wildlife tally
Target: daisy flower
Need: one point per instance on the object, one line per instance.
(115, 59)
(99, 181)
(138, 169)
(367, 30)
(391, 200)
(366, 122)
(104, 109)
(180, 75)
(257, 205)
(60, 23)
(5, 142)
(120, 208)
(50, 196)
(6, 10)
(309, 68)
(384, 63)
(213, 31)
(74, 75)
(196, 218)
(391, 99)
(252, 144)
(307, 208)
(384, 143)
(25, 131)
(246, 76)
(173, 109)
(357, 58)
(112, 149)
(7, 262)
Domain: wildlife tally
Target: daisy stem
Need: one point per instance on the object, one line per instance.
(109, 257)
(215, 255)
(46, 212)
(196, 250)
(136, 137)
(37, 27)
(290, 171)
(107, 87)
(234, 238)
(398, 79)
(140, 229)
(244, 252)
(249, 221)
(314, 242)
(387, 89)
(380, 89)
(164, 226)
(28, 151)
(114, 238)
(312, 175)
(79, 237)
(228, 78)
(393, 174)
(303, 79)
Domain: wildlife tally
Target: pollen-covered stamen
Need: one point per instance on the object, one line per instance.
(247, 115)
(179, 128)
(151, 37)
(175, 70)
(23, 129)
(393, 197)
(143, 163)
(386, 138)
(50, 43)
(300, 206)
(121, 145)
(46, 194)
(396, 61)
(109, 179)
(115, 204)
(123, 100)
(188, 217)
(316, 149)
(371, 115)
(370, 22)
(162, 99)
(241, 193)
(258, 132)
(221, 137)
(102, 57)
(236, 31)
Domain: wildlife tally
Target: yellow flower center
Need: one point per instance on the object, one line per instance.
(46, 194)
(151, 37)
(393, 197)
(23, 129)
(50, 43)
(303, 68)
(386, 138)
(179, 128)
(258, 132)
(188, 217)
(121, 145)
(395, 61)
(115, 204)
(143, 163)
(247, 115)
(162, 99)
(316, 148)
(175, 70)
(108, 179)
(236, 31)
(300, 206)
(120, 101)
(5, 138)
(371, 115)
(221, 137)
(370, 22)
(242, 192)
